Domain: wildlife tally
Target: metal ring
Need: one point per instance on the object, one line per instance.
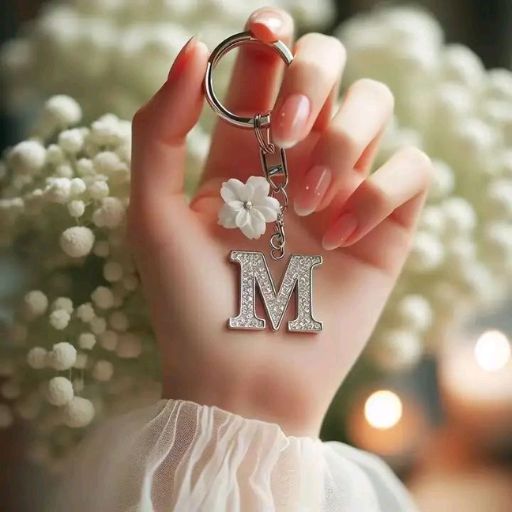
(228, 44)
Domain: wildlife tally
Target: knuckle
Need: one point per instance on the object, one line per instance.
(139, 116)
(376, 196)
(344, 140)
(139, 120)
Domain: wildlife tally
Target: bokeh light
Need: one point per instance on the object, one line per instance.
(492, 351)
(383, 409)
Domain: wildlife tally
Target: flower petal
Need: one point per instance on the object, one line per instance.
(256, 225)
(260, 188)
(269, 207)
(242, 218)
(227, 216)
(236, 205)
(232, 190)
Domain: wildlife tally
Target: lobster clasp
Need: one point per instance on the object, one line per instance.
(275, 168)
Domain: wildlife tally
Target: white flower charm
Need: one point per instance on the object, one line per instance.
(248, 206)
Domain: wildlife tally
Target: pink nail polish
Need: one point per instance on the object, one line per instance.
(265, 25)
(181, 61)
(315, 185)
(290, 120)
(339, 233)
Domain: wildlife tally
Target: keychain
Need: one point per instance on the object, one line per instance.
(249, 206)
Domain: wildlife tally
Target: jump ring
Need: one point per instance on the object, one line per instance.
(221, 50)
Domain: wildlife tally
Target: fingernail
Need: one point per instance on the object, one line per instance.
(265, 24)
(290, 120)
(339, 233)
(181, 59)
(313, 189)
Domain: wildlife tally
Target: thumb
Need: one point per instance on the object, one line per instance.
(160, 127)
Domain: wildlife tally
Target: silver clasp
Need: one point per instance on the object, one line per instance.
(275, 171)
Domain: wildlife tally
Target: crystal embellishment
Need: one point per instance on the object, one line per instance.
(254, 272)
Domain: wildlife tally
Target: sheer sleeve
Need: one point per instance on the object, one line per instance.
(183, 457)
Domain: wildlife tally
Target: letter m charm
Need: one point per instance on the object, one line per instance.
(254, 272)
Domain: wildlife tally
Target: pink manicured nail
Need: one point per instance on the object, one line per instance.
(265, 25)
(340, 231)
(290, 120)
(315, 185)
(181, 61)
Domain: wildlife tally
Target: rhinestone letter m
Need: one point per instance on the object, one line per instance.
(254, 271)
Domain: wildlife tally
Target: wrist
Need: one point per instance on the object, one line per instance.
(293, 419)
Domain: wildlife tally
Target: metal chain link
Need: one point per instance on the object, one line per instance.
(277, 176)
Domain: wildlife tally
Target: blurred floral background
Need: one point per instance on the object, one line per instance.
(433, 392)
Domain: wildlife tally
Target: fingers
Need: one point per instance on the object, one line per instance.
(160, 127)
(255, 77)
(390, 191)
(309, 80)
(253, 87)
(345, 150)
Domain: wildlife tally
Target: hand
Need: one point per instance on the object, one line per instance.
(361, 223)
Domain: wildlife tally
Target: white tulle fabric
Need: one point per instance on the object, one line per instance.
(183, 457)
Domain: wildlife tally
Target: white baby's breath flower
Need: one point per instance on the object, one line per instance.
(59, 319)
(27, 157)
(248, 206)
(62, 356)
(64, 303)
(64, 171)
(71, 141)
(98, 189)
(103, 371)
(107, 162)
(77, 186)
(427, 252)
(415, 312)
(118, 320)
(85, 312)
(60, 391)
(58, 189)
(76, 208)
(36, 302)
(397, 349)
(112, 271)
(108, 340)
(62, 111)
(55, 155)
(77, 241)
(79, 412)
(37, 358)
(98, 325)
(84, 167)
(110, 214)
(103, 297)
(81, 361)
(87, 340)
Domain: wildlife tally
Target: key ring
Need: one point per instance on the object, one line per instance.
(250, 206)
(228, 44)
